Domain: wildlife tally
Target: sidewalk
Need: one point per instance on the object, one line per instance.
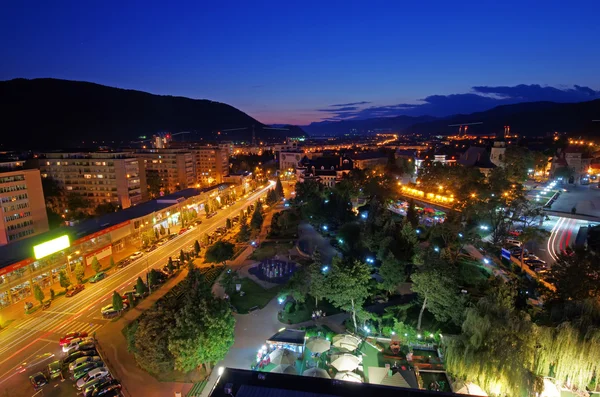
(136, 382)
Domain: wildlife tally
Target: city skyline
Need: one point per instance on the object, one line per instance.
(320, 62)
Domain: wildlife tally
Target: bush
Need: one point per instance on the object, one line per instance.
(290, 307)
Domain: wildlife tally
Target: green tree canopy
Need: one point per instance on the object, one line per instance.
(117, 301)
(244, 233)
(279, 188)
(219, 252)
(576, 275)
(392, 271)
(38, 293)
(79, 272)
(152, 342)
(63, 279)
(228, 280)
(257, 217)
(96, 266)
(317, 285)
(140, 287)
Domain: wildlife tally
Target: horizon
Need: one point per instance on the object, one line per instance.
(319, 62)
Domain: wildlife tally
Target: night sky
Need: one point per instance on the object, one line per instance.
(317, 60)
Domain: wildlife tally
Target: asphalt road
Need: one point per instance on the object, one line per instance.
(29, 345)
(563, 232)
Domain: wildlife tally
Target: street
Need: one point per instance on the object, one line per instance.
(563, 232)
(38, 334)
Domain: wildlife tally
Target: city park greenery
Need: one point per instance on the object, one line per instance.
(492, 336)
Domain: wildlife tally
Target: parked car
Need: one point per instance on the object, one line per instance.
(540, 269)
(136, 255)
(97, 277)
(81, 353)
(55, 369)
(172, 236)
(94, 369)
(70, 336)
(75, 365)
(208, 216)
(108, 390)
(72, 345)
(515, 232)
(87, 368)
(96, 373)
(511, 241)
(109, 311)
(103, 384)
(38, 380)
(123, 262)
(75, 290)
(90, 386)
(535, 263)
(151, 248)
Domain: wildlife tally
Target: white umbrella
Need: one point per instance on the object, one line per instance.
(282, 356)
(316, 344)
(474, 390)
(344, 362)
(316, 373)
(348, 377)
(346, 341)
(285, 369)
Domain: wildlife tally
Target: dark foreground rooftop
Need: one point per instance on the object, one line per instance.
(244, 383)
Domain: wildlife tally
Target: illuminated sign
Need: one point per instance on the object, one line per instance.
(50, 247)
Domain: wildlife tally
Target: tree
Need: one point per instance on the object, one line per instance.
(257, 217)
(576, 275)
(162, 230)
(271, 197)
(530, 234)
(228, 281)
(205, 239)
(279, 188)
(437, 288)
(197, 247)
(243, 216)
(411, 214)
(151, 342)
(317, 285)
(79, 273)
(181, 257)
(63, 280)
(228, 223)
(52, 294)
(170, 266)
(117, 301)
(219, 252)
(152, 278)
(244, 233)
(517, 161)
(348, 286)
(76, 202)
(106, 208)
(297, 287)
(96, 266)
(392, 271)
(140, 287)
(38, 293)
(112, 262)
(207, 208)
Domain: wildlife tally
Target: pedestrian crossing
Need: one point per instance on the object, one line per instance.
(60, 326)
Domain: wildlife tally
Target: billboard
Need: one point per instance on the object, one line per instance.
(50, 247)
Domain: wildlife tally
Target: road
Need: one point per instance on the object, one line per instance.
(25, 340)
(563, 232)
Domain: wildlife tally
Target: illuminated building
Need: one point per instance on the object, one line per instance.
(211, 164)
(171, 169)
(22, 205)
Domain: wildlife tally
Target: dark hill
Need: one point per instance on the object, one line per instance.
(384, 124)
(529, 119)
(51, 113)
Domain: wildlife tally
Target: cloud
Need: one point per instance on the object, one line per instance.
(480, 98)
(351, 104)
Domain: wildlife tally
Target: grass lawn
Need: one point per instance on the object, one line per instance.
(270, 249)
(303, 311)
(255, 296)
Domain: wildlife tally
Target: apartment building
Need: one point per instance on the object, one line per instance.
(22, 205)
(212, 164)
(169, 170)
(100, 177)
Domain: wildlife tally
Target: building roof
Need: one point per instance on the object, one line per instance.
(476, 156)
(245, 383)
(23, 249)
(290, 336)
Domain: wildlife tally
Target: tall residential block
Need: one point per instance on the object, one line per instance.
(22, 209)
(212, 164)
(99, 177)
(168, 170)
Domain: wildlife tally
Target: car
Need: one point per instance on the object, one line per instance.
(83, 371)
(38, 380)
(96, 373)
(55, 369)
(74, 290)
(172, 236)
(108, 311)
(511, 241)
(151, 248)
(75, 365)
(136, 255)
(532, 256)
(535, 263)
(72, 335)
(105, 383)
(208, 216)
(80, 353)
(123, 262)
(108, 390)
(183, 230)
(540, 269)
(90, 387)
(113, 393)
(97, 277)
(72, 345)
(516, 232)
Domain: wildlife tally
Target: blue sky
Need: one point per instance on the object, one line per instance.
(283, 62)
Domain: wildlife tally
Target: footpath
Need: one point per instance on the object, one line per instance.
(122, 364)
